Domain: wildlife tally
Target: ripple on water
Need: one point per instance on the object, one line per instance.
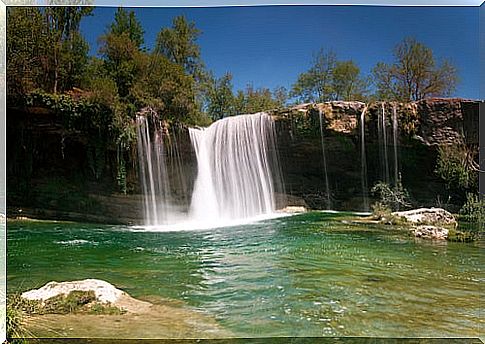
(306, 275)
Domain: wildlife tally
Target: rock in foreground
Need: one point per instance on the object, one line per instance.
(429, 223)
(140, 319)
(104, 291)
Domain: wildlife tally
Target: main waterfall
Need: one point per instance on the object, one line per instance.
(237, 171)
(234, 161)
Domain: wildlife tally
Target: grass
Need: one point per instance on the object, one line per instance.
(76, 302)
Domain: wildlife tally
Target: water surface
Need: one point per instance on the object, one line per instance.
(306, 275)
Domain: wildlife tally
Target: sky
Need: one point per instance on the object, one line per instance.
(269, 46)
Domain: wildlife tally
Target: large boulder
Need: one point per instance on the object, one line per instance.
(428, 216)
(429, 223)
(104, 291)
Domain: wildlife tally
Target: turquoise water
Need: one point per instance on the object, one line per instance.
(307, 275)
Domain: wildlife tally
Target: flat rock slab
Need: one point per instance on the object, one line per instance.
(427, 216)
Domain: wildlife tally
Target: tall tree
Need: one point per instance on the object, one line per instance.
(415, 74)
(121, 46)
(126, 23)
(315, 85)
(347, 83)
(26, 50)
(179, 45)
(68, 50)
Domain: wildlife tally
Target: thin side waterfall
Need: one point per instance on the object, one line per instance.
(395, 136)
(382, 136)
(327, 185)
(235, 179)
(153, 172)
(363, 160)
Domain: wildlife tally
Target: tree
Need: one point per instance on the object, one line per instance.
(25, 49)
(415, 74)
(121, 47)
(164, 86)
(178, 44)
(220, 99)
(256, 100)
(68, 50)
(347, 83)
(315, 85)
(126, 23)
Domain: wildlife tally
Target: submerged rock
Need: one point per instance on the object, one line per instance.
(292, 209)
(430, 232)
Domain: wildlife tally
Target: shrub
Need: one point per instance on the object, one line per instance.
(456, 166)
(473, 211)
(391, 197)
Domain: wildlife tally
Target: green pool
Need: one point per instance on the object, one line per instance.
(314, 274)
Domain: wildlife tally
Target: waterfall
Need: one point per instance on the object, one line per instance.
(382, 137)
(153, 172)
(324, 159)
(234, 162)
(363, 160)
(395, 143)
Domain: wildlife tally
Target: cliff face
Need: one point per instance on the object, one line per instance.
(55, 172)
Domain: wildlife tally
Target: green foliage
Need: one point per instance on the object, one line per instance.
(178, 45)
(125, 23)
(383, 214)
(71, 303)
(220, 98)
(165, 88)
(393, 197)
(221, 101)
(455, 165)
(76, 302)
(25, 49)
(256, 100)
(330, 79)
(473, 211)
(14, 317)
(315, 85)
(45, 48)
(414, 75)
(120, 54)
(461, 236)
(347, 83)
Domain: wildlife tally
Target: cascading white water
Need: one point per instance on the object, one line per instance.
(234, 178)
(363, 160)
(327, 184)
(153, 172)
(395, 143)
(382, 136)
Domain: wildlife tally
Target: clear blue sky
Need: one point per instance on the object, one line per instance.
(269, 46)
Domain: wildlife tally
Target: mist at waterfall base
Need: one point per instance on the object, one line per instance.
(237, 174)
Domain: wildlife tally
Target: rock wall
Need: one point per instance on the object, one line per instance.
(50, 172)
